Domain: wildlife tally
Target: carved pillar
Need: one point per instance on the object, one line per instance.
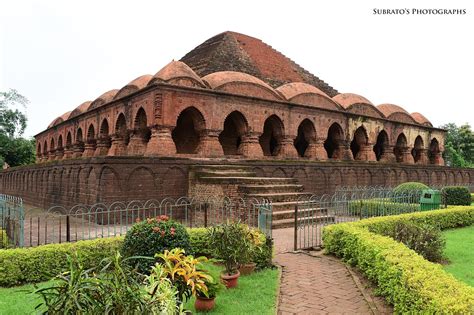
(78, 149)
(118, 147)
(89, 149)
(316, 150)
(102, 147)
(387, 154)
(209, 144)
(423, 160)
(250, 146)
(366, 153)
(438, 159)
(137, 143)
(161, 142)
(407, 158)
(52, 155)
(342, 151)
(68, 152)
(59, 154)
(287, 147)
(39, 158)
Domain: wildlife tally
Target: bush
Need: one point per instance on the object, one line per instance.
(28, 265)
(472, 198)
(408, 281)
(3, 239)
(456, 196)
(263, 257)
(412, 189)
(424, 239)
(110, 288)
(199, 240)
(152, 236)
(379, 207)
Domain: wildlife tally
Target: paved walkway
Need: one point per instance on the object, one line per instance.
(313, 283)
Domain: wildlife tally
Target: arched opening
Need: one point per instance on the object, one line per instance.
(400, 146)
(333, 141)
(60, 142)
(121, 126)
(79, 138)
(360, 140)
(91, 133)
(141, 125)
(186, 134)
(381, 144)
(38, 149)
(235, 127)
(104, 129)
(306, 134)
(434, 152)
(273, 132)
(52, 146)
(416, 151)
(68, 140)
(45, 148)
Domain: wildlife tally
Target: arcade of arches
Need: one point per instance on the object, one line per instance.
(191, 136)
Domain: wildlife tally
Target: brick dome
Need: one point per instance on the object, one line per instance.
(306, 94)
(396, 113)
(357, 104)
(135, 85)
(240, 83)
(84, 107)
(60, 119)
(422, 120)
(178, 73)
(103, 99)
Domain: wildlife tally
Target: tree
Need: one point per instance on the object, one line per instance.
(459, 145)
(14, 149)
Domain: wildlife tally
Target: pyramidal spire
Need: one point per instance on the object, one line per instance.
(230, 51)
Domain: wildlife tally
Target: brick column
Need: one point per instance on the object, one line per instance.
(366, 153)
(209, 144)
(118, 147)
(343, 151)
(250, 146)
(102, 147)
(407, 158)
(387, 155)
(161, 142)
(59, 154)
(137, 143)
(39, 158)
(287, 147)
(52, 155)
(438, 159)
(68, 152)
(423, 157)
(316, 150)
(78, 149)
(89, 149)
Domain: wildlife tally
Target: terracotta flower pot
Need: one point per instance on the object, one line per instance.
(230, 281)
(204, 304)
(246, 269)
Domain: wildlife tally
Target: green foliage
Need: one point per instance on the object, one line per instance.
(413, 189)
(408, 281)
(459, 145)
(380, 207)
(457, 196)
(424, 239)
(199, 240)
(110, 288)
(3, 239)
(228, 241)
(152, 236)
(185, 273)
(28, 265)
(472, 198)
(264, 256)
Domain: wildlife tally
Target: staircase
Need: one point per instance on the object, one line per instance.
(284, 193)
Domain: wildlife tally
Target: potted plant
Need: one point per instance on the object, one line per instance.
(252, 244)
(228, 241)
(205, 300)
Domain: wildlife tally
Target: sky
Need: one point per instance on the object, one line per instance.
(61, 53)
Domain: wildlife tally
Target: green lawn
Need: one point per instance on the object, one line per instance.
(256, 294)
(459, 251)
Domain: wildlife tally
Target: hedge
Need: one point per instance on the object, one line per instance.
(3, 239)
(35, 264)
(409, 282)
(455, 195)
(472, 198)
(379, 207)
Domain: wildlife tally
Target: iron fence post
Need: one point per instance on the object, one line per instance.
(295, 244)
(68, 229)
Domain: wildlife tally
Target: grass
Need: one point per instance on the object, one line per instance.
(255, 294)
(459, 251)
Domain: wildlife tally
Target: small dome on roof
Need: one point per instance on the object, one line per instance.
(422, 120)
(389, 109)
(348, 99)
(84, 107)
(175, 72)
(293, 89)
(133, 86)
(103, 99)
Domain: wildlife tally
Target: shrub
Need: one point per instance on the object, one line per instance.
(155, 235)
(472, 198)
(412, 189)
(263, 257)
(3, 239)
(457, 196)
(21, 265)
(379, 207)
(199, 239)
(424, 239)
(408, 281)
(110, 288)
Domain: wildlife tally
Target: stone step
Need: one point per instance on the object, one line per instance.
(289, 205)
(224, 173)
(286, 223)
(271, 188)
(290, 214)
(248, 180)
(219, 167)
(279, 196)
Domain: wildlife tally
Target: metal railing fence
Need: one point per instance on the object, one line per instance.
(12, 215)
